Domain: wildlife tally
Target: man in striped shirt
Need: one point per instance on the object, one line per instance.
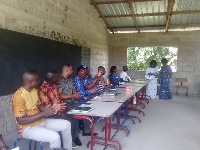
(101, 86)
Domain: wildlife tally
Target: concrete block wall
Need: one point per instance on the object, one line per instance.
(188, 61)
(8, 126)
(70, 21)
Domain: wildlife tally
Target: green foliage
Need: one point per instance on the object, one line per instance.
(139, 57)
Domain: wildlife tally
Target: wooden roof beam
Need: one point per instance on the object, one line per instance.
(133, 14)
(136, 15)
(169, 14)
(101, 14)
(118, 2)
(153, 14)
(136, 26)
(151, 26)
(185, 12)
(190, 24)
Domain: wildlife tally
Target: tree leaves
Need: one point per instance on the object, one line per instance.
(139, 57)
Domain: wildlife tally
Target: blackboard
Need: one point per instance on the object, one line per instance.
(20, 52)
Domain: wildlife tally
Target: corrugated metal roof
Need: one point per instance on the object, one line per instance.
(156, 18)
(115, 9)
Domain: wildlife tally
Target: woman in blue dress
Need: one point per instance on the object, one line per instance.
(114, 79)
(165, 75)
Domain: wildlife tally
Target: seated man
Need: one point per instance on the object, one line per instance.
(2, 144)
(101, 86)
(30, 115)
(84, 93)
(124, 76)
(49, 95)
(80, 87)
(90, 82)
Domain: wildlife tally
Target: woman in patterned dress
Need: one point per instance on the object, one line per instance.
(165, 75)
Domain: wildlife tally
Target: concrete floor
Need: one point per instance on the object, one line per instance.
(168, 125)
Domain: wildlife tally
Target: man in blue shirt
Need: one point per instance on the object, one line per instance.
(84, 93)
(80, 87)
(90, 82)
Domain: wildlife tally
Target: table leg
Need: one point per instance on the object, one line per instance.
(144, 96)
(92, 129)
(126, 113)
(127, 116)
(134, 108)
(138, 100)
(107, 134)
(118, 125)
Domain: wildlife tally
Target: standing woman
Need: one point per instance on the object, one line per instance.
(152, 76)
(114, 79)
(165, 75)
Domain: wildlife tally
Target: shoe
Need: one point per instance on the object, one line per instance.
(74, 145)
(89, 134)
(77, 141)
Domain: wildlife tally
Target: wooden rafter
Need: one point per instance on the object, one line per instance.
(121, 27)
(185, 12)
(136, 15)
(118, 2)
(151, 26)
(133, 15)
(190, 24)
(104, 19)
(169, 14)
(153, 14)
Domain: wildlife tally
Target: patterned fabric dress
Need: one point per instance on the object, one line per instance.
(164, 83)
(151, 88)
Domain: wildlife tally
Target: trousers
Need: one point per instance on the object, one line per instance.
(86, 123)
(47, 131)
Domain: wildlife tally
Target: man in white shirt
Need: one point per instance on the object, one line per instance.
(123, 75)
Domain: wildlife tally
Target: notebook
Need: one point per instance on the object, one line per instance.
(82, 109)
